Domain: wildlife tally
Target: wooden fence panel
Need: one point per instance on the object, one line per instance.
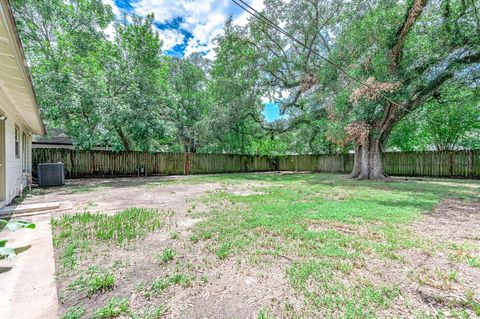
(104, 163)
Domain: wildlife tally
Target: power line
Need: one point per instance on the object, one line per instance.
(253, 12)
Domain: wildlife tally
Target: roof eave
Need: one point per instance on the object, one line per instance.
(23, 62)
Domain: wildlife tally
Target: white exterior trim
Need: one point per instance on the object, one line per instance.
(18, 104)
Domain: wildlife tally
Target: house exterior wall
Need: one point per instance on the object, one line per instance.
(16, 168)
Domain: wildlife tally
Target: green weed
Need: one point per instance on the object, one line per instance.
(75, 312)
(224, 250)
(115, 307)
(167, 255)
(76, 233)
(160, 284)
(151, 313)
(100, 284)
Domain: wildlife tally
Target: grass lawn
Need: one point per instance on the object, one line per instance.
(279, 246)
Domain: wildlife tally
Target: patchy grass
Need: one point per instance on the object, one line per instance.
(100, 284)
(330, 227)
(160, 284)
(128, 225)
(115, 308)
(77, 233)
(75, 312)
(344, 248)
(167, 255)
(93, 281)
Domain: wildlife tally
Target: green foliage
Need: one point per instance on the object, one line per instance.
(167, 255)
(15, 225)
(102, 90)
(121, 90)
(115, 308)
(449, 122)
(100, 284)
(75, 312)
(160, 284)
(8, 252)
(73, 234)
(188, 79)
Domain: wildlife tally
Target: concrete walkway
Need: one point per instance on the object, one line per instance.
(28, 289)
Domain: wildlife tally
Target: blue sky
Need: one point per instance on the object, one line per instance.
(271, 112)
(189, 26)
(186, 26)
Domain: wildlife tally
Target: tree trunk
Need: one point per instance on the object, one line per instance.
(357, 164)
(368, 162)
(123, 139)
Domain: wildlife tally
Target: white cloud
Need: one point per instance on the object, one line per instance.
(115, 9)
(204, 19)
(110, 31)
(242, 20)
(170, 38)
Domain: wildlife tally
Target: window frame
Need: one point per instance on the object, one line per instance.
(17, 141)
(24, 152)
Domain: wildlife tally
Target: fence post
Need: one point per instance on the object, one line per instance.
(450, 163)
(186, 163)
(83, 163)
(469, 163)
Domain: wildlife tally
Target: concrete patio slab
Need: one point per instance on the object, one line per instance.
(28, 289)
(28, 208)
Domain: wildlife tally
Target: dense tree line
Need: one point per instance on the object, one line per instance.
(368, 75)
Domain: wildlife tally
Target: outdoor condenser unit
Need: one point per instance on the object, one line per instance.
(50, 174)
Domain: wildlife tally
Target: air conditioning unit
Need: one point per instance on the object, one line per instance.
(50, 174)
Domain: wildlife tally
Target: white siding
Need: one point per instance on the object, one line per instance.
(16, 179)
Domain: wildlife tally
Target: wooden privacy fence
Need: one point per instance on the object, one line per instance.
(104, 163)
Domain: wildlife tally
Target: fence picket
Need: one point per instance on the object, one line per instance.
(102, 163)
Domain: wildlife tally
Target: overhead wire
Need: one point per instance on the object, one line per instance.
(253, 12)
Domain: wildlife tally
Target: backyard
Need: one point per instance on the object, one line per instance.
(266, 245)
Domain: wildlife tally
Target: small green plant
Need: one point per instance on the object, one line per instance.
(474, 262)
(174, 234)
(100, 284)
(124, 226)
(472, 303)
(152, 313)
(224, 250)
(167, 255)
(263, 314)
(8, 252)
(205, 234)
(161, 284)
(75, 312)
(115, 308)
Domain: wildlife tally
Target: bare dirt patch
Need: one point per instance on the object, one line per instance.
(453, 220)
(212, 288)
(434, 278)
(246, 189)
(116, 194)
(441, 279)
(441, 276)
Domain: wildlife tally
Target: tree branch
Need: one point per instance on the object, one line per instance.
(414, 12)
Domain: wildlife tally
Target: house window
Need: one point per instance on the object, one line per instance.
(17, 142)
(24, 152)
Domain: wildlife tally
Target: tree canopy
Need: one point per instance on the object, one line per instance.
(366, 76)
